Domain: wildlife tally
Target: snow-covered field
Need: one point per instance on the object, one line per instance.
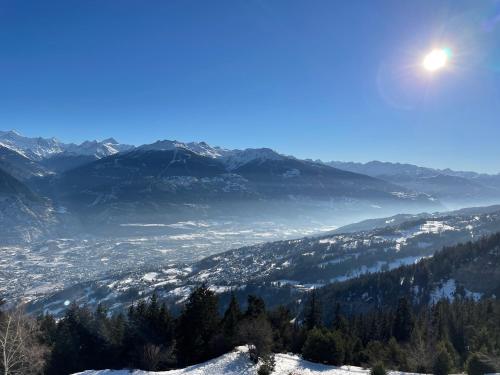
(237, 363)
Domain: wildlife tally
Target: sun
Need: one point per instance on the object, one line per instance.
(436, 59)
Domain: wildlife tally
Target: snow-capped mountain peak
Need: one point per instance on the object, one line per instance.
(231, 158)
(163, 145)
(33, 148)
(110, 140)
(96, 148)
(200, 148)
(42, 148)
(204, 149)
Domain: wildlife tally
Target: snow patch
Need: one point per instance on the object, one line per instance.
(237, 362)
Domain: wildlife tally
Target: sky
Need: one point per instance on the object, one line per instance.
(335, 80)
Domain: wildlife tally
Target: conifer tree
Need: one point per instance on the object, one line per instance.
(197, 326)
(230, 322)
(403, 321)
(313, 313)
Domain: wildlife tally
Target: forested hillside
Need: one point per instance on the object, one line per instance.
(466, 270)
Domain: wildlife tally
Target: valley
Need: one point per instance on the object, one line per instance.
(32, 271)
(286, 266)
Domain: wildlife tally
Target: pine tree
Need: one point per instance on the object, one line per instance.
(480, 364)
(230, 322)
(403, 321)
(197, 326)
(256, 307)
(324, 346)
(378, 369)
(442, 363)
(257, 333)
(313, 312)
(340, 322)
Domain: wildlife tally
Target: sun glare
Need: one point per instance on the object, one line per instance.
(436, 59)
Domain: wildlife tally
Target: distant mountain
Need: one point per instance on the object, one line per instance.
(232, 159)
(97, 149)
(32, 148)
(24, 216)
(168, 178)
(445, 184)
(379, 168)
(277, 175)
(42, 148)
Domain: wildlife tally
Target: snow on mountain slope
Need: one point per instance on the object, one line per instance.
(238, 363)
(232, 159)
(32, 148)
(97, 149)
(42, 148)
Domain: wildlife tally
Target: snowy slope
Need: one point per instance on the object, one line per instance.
(237, 363)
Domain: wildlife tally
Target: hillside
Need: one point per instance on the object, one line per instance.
(24, 216)
(465, 270)
(19, 166)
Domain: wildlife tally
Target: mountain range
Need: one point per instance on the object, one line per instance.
(99, 186)
(102, 185)
(453, 188)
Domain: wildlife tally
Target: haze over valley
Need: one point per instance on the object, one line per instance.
(74, 214)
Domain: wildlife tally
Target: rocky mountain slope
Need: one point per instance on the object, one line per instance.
(24, 216)
(19, 166)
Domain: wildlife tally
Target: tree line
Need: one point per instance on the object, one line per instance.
(449, 336)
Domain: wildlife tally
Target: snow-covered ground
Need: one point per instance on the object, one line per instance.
(238, 363)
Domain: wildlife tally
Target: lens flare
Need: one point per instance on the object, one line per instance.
(436, 59)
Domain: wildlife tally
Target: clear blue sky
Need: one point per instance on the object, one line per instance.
(337, 80)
